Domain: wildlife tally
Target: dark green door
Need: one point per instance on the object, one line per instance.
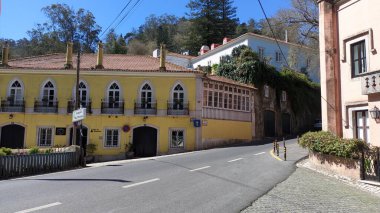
(145, 141)
(12, 136)
(269, 123)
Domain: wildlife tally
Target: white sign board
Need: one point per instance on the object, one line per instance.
(79, 114)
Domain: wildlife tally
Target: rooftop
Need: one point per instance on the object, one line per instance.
(88, 62)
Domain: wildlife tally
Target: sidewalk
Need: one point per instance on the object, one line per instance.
(309, 191)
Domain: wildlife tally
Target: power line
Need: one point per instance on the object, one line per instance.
(274, 36)
(125, 7)
(138, 1)
(270, 27)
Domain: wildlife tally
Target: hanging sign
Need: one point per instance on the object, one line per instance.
(79, 114)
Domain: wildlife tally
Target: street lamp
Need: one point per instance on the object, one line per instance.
(375, 113)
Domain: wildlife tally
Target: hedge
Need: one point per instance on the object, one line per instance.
(328, 143)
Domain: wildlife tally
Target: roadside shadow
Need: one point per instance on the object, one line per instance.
(82, 179)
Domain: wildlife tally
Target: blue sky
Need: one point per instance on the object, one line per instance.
(19, 16)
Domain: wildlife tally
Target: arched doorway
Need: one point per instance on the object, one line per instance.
(269, 124)
(145, 141)
(12, 136)
(84, 137)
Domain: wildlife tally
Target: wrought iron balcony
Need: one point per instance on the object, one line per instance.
(145, 108)
(371, 83)
(178, 108)
(84, 104)
(12, 105)
(46, 106)
(112, 107)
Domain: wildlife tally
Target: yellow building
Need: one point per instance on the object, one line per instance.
(158, 107)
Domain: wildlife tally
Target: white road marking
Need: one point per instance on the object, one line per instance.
(205, 167)
(234, 160)
(144, 182)
(260, 153)
(39, 207)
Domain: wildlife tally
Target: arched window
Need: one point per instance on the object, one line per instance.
(178, 97)
(16, 92)
(146, 96)
(83, 92)
(48, 94)
(114, 96)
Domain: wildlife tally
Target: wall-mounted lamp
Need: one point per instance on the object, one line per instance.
(145, 117)
(375, 113)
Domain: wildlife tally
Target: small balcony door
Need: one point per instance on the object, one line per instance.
(82, 94)
(178, 97)
(146, 97)
(48, 95)
(362, 125)
(15, 93)
(114, 96)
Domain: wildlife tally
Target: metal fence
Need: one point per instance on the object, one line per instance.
(21, 165)
(370, 164)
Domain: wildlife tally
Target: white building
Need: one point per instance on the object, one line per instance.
(299, 57)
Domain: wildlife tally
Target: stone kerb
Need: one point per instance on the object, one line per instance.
(348, 168)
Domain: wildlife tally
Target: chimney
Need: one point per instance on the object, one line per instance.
(286, 36)
(99, 61)
(69, 56)
(162, 57)
(156, 53)
(204, 49)
(213, 46)
(5, 57)
(226, 40)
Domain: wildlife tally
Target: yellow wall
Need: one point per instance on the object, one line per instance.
(65, 81)
(226, 130)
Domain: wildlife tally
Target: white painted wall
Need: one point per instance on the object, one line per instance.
(270, 49)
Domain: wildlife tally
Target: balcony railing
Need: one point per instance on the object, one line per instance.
(178, 108)
(11, 105)
(84, 104)
(46, 106)
(112, 107)
(371, 83)
(145, 108)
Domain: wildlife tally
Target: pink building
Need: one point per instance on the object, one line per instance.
(350, 68)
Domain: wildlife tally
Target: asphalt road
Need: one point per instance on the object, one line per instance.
(217, 180)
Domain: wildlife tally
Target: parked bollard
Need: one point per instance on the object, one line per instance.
(285, 153)
(274, 146)
(278, 148)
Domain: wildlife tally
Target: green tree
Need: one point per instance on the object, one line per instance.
(212, 21)
(115, 44)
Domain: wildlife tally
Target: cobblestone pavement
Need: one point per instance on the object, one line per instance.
(308, 191)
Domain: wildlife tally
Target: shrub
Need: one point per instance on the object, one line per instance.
(327, 143)
(48, 151)
(7, 151)
(2, 153)
(90, 148)
(34, 150)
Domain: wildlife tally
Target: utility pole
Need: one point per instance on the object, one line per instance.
(77, 106)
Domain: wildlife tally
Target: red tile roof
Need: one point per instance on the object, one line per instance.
(88, 62)
(228, 81)
(180, 55)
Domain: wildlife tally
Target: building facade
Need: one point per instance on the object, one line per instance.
(299, 57)
(130, 101)
(350, 67)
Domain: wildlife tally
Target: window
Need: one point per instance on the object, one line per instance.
(177, 138)
(82, 92)
(266, 91)
(283, 96)
(278, 57)
(45, 136)
(261, 53)
(358, 58)
(146, 97)
(362, 125)
(48, 94)
(114, 96)
(178, 97)
(111, 138)
(16, 93)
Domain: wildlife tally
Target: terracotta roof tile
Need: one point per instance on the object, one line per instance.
(227, 80)
(180, 55)
(88, 62)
